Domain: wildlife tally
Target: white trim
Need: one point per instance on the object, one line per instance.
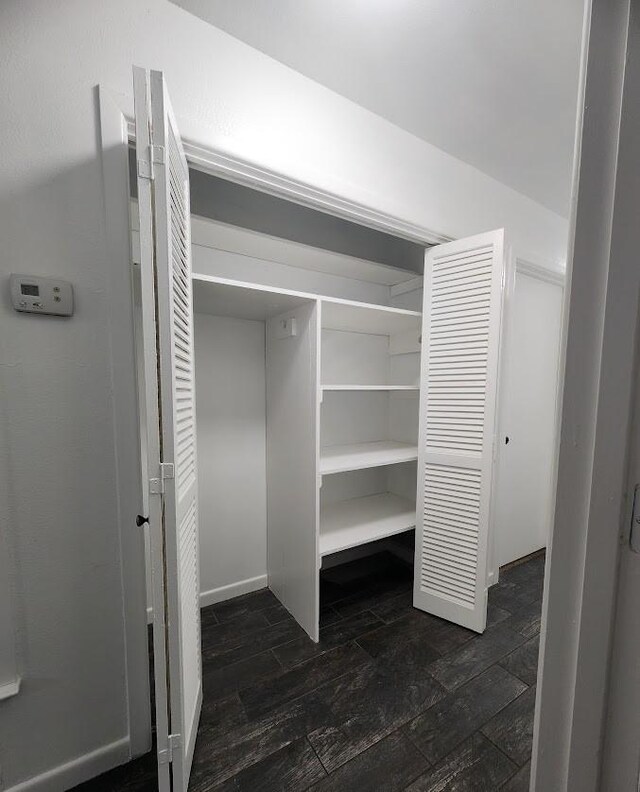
(78, 770)
(231, 590)
(265, 180)
(555, 276)
(115, 174)
(223, 593)
(10, 689)
(598, 335)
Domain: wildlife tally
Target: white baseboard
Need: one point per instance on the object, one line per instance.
(78, 770)
(223, 593)
(232, 590)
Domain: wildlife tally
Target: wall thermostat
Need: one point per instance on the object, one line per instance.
(33, 294)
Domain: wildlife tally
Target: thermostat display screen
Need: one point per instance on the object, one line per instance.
(30, 289)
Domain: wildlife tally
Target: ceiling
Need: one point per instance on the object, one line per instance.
(492, 82)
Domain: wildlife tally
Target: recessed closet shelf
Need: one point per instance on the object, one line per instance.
(358, 456)
(360, 520)
(226, 297)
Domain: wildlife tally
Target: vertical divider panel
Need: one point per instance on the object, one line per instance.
(292, 350)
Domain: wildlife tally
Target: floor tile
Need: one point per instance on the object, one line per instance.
(526, 620)
(328, 615)
(520, 782)
(409, 644)
(218, 638)
(287, 686)
(219, 716)
(277, 614)
(293, 768)
(456, 716)
(219, 759)
(249, 644)
(358, 577)
(458, 667)
(376, 596)
(279, 711)
(441, 636)
(367, 706)
(475, 766)
(495, 615)
(388, 766)
(241, 606)
(333, 635)
(512, 729)
(393, 608)
(523, 663)
(220, 682)
(512, 595)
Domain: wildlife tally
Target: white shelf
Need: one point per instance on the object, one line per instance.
(360, 520)
(340, 458)
(370, 388)
(359, 317)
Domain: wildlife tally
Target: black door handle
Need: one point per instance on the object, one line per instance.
(140, 520)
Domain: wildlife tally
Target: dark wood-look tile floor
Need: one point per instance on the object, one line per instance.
(390, 699)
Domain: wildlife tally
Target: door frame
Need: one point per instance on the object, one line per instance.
(557, 278)
(601, 319)
(117, 133)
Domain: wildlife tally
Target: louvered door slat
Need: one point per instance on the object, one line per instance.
(460, 354)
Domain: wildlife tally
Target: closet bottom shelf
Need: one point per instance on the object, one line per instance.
(360, 520)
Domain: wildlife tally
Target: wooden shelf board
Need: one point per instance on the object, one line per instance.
(360, 520)
(370, 387)
(340, 458)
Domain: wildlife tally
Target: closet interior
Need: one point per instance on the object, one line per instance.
(309, 365)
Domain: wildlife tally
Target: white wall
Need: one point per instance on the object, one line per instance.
(232, 476)
(59, 463)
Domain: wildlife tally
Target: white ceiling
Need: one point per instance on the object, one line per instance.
(492, 82)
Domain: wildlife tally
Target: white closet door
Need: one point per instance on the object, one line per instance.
(165, 260)
(462, 314)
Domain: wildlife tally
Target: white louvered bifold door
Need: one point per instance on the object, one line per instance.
(463, 285)
(165, 253)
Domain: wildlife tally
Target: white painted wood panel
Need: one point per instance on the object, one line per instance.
(170, 410)
(463, 298)
(370, 360)
(349, 417)
(232, 475)
(354, 358)
(528, 417)
(152, 506)
(292, 475)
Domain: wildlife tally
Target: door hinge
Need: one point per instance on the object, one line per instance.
(155, 154)
(156, 485)
(166, 756)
